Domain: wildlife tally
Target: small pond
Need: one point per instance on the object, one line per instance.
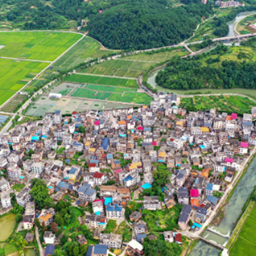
(7, 223)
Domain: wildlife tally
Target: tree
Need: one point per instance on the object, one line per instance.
(37, 223)
(40, 194)
(18, 217)
(59, 220)
(67, 219)
(76, 250)
(54, 227)
(81, 129)
(44, 226)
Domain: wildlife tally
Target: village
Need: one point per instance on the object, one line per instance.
(120, 165)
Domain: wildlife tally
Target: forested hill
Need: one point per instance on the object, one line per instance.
(118, 24)
(223, 67)
(146, 23)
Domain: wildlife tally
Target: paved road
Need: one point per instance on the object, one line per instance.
(38, 242)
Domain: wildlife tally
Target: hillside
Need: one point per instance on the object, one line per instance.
(223, 67)
(146, 24)
(118, 24)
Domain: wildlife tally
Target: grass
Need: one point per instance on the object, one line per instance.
(84, 51)
(111, 225)
(223, 103)
(125, 231)
(133, 66)
(60, 150)
(18, 187)
(9, 249)
(161, 220)
(102, 80)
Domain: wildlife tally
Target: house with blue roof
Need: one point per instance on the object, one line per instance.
(89, 251)
(114, 210)
(78, 146)
(87, 193)
(105, 143)
(209, 189)
(100, 250)
(201, 214)
(140, 237)
(49, 250)
(212, 199)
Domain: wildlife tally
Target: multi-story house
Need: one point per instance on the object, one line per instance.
(6, 199)
(23, 197)
(184, 216)
(46, 216)
(29, 215)
(57, 117)
(114, 210)
(4, 185)
(111, 240)
(14, 172)
(37, 168)
(151, 203)
(87, 193)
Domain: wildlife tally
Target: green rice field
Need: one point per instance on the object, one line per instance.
(109, 88)
(245, 244)
(15, 74)
(129, 97)
(102, 80)
(39, 47)
(45, 46)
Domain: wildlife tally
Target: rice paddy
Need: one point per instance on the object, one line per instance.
(25, 54)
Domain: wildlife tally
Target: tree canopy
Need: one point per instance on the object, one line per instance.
(160, 247)
(208, 71)
(146, 24)
(40, 194)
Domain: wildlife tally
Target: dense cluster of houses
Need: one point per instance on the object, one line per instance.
(114, 159)
(231, 3)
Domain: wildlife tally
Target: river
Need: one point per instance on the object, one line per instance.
(234, 207)
(231, 25)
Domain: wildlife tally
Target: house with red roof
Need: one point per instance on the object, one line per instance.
(178, 238)
(98, 178)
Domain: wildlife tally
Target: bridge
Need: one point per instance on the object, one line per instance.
(212, 243)
(234, 37)
(217, 233)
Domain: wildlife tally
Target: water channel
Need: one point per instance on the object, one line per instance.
(234, 207)
(231, 25)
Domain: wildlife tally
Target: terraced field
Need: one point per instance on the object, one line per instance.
(133, 66)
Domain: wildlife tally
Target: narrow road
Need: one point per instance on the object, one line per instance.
(87, 74)
(38, 242)
(20, 59)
